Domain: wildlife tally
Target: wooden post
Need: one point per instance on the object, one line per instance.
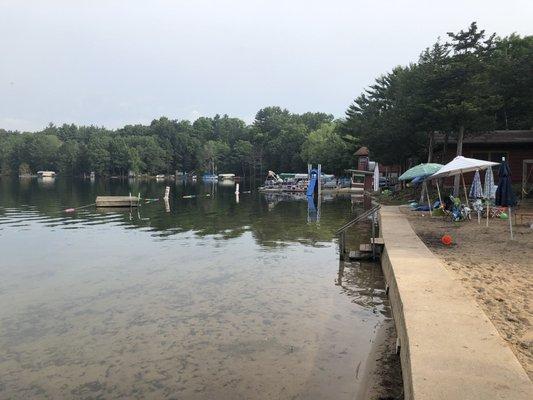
(319, 180)
(524, 172)
(374, 235)
(430, 159)
(459, 153)
(342, 244)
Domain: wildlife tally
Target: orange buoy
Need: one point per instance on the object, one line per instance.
(446, 240)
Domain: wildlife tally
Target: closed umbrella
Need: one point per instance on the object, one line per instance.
(488, 189)
(505, 196)
(488, 186)
(376, 178)
(476, 192)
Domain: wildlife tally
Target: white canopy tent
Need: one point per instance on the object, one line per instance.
(458, 166)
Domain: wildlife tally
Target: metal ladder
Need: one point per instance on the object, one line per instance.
(341, 232)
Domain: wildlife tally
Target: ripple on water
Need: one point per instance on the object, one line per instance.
(210, 300)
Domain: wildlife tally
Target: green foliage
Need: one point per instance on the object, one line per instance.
(24, 169)
(67, 158)
(98, 154)
(218, 144)
(472, 83)
(325, 146)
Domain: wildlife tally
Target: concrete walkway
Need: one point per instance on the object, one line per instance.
(449, 348)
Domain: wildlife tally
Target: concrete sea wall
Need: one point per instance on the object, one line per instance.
(449, 349)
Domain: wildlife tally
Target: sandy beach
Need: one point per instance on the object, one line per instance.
(496, 270)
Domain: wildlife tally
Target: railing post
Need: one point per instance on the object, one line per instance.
(342, 244)
(374, 235)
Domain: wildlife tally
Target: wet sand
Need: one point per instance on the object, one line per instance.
(379, 377)
(497, 272)
(383, 380)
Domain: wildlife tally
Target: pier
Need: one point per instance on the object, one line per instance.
(117, 201)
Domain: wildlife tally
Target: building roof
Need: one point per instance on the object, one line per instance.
(514, 136)
(363, 151)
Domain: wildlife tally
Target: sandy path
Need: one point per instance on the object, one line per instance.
(496, 270)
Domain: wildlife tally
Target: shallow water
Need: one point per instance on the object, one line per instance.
(203, 298)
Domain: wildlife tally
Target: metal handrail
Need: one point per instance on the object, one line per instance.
(357, 219)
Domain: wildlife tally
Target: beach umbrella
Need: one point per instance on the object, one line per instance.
(418, 180)
(376, 178)
(420, 170)
(460, 165)
(488, 189)
(505, 196)
(476, 191)
(419, 173)
(488, 185)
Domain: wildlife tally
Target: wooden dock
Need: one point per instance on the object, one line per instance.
(377, 241)
(359, 255)
(117, 201)
(365, 248)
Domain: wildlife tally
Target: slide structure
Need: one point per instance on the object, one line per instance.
(311, 186)
(313, 181)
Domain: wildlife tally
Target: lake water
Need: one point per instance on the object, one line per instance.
(203, 298)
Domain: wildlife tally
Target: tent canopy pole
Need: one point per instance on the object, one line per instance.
(438, 190)
(429, 201)
(464, 187)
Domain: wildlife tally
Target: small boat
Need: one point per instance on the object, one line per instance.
(285, 182)
(226, 177)
(46, 174)
(160, 177)
(209, 177)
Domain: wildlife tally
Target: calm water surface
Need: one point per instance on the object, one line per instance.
(203, 298)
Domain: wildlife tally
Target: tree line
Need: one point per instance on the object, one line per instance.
(277, 139)
(470, 83)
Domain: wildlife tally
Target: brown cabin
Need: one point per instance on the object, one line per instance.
(516, 146)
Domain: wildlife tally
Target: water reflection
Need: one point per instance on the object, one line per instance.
(210, 299)
(207, 209)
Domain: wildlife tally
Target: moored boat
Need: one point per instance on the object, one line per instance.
(46, 174)
(226, 177)
(209, 177)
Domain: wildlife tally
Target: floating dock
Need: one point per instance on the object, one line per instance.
(117, 201)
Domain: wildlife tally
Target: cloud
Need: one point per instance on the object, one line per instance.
(110, 63)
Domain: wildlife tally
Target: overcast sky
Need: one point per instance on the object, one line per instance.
(118, 62)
